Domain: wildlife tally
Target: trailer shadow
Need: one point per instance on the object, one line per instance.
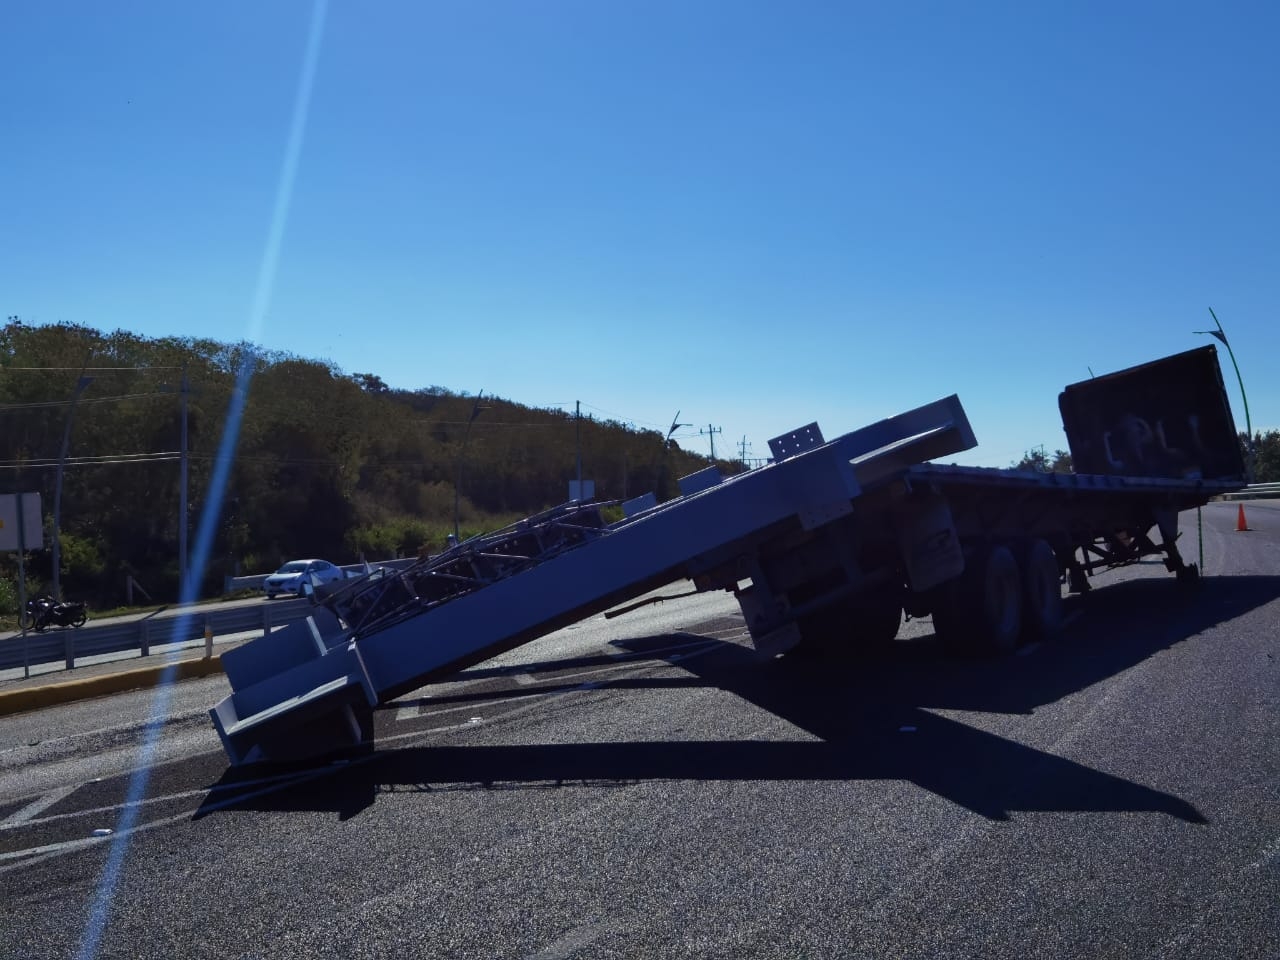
(1113, 629)
(874, 722)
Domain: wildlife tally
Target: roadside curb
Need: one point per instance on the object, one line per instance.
(36, 698)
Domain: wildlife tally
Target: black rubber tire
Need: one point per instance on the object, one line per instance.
(980, 611)
(80, 620)
(1041, 590)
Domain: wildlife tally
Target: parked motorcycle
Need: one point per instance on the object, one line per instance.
(46, 612)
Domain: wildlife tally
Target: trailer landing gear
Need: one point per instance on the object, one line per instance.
(1078, 578)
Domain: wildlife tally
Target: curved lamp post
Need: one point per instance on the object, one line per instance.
(81, 384)
(1221, 334)
(476, 410)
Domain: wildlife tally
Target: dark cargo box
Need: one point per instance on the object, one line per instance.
(1168, 418)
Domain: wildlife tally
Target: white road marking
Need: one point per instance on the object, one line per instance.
(531, 678)
(280, 780)
(526, 704)
(20, 859)
(1269, 853)
(37, 807)
(33, 855)
(573, 941)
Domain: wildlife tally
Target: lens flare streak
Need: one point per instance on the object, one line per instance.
(100, 910)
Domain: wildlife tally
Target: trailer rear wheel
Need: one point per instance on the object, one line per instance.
(981, 610)
(1042, 590)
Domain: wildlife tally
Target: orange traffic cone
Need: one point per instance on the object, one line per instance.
(1240, 524)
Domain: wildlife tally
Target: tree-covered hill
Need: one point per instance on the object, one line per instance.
(324, 463)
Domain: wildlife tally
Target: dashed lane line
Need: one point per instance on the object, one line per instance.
(528, 678)
(575, 940)
(20, 859)
(37, 807)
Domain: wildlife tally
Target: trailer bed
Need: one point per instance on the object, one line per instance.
(829, 534)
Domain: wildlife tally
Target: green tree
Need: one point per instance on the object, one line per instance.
(324, 464)
(1266, 463)
(1038, 461)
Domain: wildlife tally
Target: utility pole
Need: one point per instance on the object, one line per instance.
(711, 432)
(457, 482)
(742, 449)
(184, 391)
(22, 580)
(182, 494)
(577, 439)
(81, 384)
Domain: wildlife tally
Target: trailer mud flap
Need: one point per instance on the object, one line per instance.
(928, 542)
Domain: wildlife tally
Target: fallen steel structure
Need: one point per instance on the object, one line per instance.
(825, 546)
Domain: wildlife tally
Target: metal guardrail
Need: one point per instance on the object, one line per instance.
(180, 626)
(1255, 491)
(70, 644)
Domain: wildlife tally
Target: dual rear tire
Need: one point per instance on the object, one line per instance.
(1006, 595)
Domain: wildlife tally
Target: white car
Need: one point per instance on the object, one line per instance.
(294, 575)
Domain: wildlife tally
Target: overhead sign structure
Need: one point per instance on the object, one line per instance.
(31, 528)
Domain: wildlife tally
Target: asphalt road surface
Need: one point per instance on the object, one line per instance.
(649, 786)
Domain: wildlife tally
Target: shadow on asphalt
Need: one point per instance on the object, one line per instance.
(858, 716)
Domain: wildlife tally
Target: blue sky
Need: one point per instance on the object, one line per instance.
(759, 214)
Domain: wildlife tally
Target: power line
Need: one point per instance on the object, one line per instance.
(77, 369)
(37, 404)
(618, 417)
(44, 463)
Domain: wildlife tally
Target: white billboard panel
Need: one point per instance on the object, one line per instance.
(33, 526)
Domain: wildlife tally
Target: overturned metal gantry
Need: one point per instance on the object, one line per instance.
(309, 689)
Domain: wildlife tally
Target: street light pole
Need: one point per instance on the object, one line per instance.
(457, 479)
(81, 384)
(182, 496)
(1221, 334)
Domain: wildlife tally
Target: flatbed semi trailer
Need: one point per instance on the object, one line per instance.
(824, 548)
